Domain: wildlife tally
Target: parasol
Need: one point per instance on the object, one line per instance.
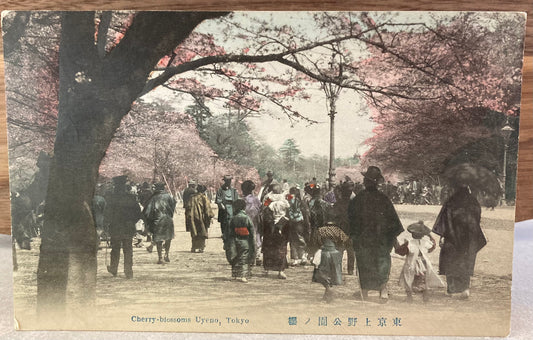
(479, 179)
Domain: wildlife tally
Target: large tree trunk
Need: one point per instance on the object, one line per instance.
(96, 92)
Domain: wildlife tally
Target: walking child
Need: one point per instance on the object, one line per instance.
(241, 242)
(328, 266)
(418, 274)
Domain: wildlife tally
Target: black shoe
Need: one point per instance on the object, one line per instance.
(129, 276)
(150, 248)
(167, 259)
(160, 261)
(110, 271)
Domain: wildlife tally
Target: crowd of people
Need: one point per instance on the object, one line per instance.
(319, 225)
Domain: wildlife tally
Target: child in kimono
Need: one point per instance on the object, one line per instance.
(241, 242)
(418, 274)
(328, 266)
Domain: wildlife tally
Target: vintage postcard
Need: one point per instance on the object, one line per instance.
(263, 172)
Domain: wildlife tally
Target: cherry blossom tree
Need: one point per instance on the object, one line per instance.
(107, 61)
(465, 70)
(155, 143)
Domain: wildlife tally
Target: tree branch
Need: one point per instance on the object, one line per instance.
(103, 28)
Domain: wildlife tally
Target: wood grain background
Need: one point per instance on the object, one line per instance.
(524, 205)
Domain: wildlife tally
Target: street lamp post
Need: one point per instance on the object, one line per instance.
(506, 132)
(332, 91)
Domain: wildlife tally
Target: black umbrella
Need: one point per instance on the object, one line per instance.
(479, 179)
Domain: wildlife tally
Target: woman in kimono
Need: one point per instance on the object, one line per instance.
(275, 231)
(458, 225)
(253, 208)
(200, 214)
(240, 250)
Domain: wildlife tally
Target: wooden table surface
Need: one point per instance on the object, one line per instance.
(524, 204)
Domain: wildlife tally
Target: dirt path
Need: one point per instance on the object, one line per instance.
(196, 285)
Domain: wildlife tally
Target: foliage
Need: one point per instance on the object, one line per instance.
(465, 71)
(290, 153)
(32, 90)
(466, 83)
(155, 143)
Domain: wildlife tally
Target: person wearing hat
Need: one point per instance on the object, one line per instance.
(189, 191)
(374, 226)
(158, 215)
(458, 225)
(225, 200)
(418, 274)
(122, 212)
(199, 213)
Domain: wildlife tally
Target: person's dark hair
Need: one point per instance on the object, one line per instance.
(240, 205)
(294, 191)
(346, 189)
(159, 186)
(201, 188)
(315, 190)
(247, 187)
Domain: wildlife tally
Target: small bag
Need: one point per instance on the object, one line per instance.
(242, 231)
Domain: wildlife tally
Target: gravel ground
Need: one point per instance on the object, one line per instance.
(200, 285)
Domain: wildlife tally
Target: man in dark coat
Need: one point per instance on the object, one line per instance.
(158, 215)
(187, 194)
(225, 200)
(122, 213)
(374, 226)
(461, 239)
